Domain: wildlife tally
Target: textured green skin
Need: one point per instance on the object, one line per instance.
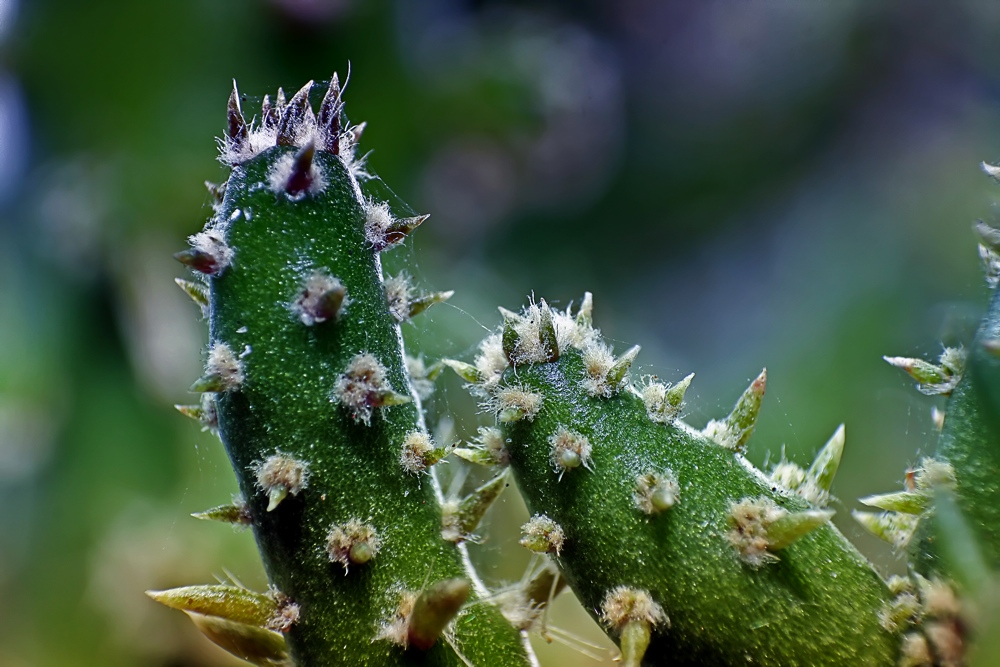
(285, 404)
(970, 441)
(817, 606)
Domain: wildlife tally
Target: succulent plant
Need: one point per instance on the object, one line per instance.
(671, 538)
(306, 384)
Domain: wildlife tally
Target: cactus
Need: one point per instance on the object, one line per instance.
(679, 546)
(688, 554)
(307, 386)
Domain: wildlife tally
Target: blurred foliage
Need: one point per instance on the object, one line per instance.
(739, 184)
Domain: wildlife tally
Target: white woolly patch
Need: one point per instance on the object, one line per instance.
(281, 173)
(491, 440)
(720, 431)
(348, 146)
(518, 399)
(597, 361)
(750, 519)
(794, 479)
(914, 651)
(418, 371)
(569, 450)
(572, 334)
(542, 535)
(397, 628)
(397, 294)
(933, 473)
(624, 605)
(491, 361)
(224, 364)
(378, 220)
(362, 387)
(307, 305)
(418, 453)
(991, 265)
(353, 542)
(281, 471)
(656, 491)
(212, 242)
(286, 615)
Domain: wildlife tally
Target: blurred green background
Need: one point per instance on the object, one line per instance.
(740, 184)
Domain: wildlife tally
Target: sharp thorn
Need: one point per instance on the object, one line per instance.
(585, 316)
(434, 609)
(301, 178)
(791, 526)
(422, 303)
(237, 132)
(275, 496)
(269, 114)
(619, 371)
(907, 502)
(399, 230)
(199, 260)
(462, 522)
(235, 513)
(824, 467)
(547, 333)
(212, 382)
(893, 527)
(329, 116)
(197, 291)
(467, 372)
(293, 115)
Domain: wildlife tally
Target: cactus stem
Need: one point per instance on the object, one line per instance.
(293, 116)
(353, 542)
(542, 535)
